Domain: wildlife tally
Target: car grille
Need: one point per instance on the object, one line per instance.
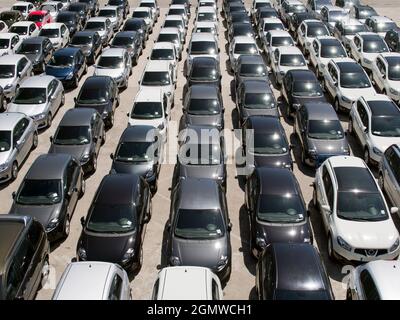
(371, 252)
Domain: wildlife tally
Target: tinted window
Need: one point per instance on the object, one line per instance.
(354, 80)
(253, 70)
(147, 110)
(72, 135)
(269, 143)
(61, 61)
(375, 46)
(282, 41)
(95, 25)
(50, 33)
(202, 47)
(30, 96)
(350, 30)
(136, 152)
(156, 78)
(317, 30)
(242, 48)
(394, 70)
(29, 48)
(5, 140)
(307, 89)
(292, 60)
(368, 285)
(119, 218)
(287, 208)
(259, 101)
(162, 54)
(203, 106)
(325, 129)
(111, 62)
(39, 192)
(81, 40)
(204, 73)
(7, 71)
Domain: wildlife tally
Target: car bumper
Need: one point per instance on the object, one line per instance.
(224, 273)
(319, 159)
(40, 123)
(343, 254)
(5, 175)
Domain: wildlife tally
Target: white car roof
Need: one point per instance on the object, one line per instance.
(8, 120)
(98, 19)
(272, 20)
(346, 161)
(338, 60)
(173, 17)
(377, 97)
(169, 30)
(203, 36)
(7, 35)
(11, 58)
(386, 275)
(279, 33)
(289, 50)
(113, 52)
(147, 1)
(389, 54)
(149, 94)
(205, 10)
(109, 8)
(244, 39)
(177, 6)
(327, 38)
(205, 24)
(53, 25)
(141, 9)
(22, 24)
(22, 3)
(164, 45)
(333, 8)
(157, 65)
(40, 81)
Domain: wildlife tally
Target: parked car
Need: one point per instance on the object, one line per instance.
(82, 9)
(52, 7)
(138, 25)
(123, 6)
(40, 17)
(381, 25)
(103, 26)
(57, 32)
(362, 12)
(202, 45)
(308, 31)
(176, 21)
(113, 13)
(165, 51)
(10, 16)
(25, 29)
(179, 9)
(89, 42)
(204, 70)
(9, 43)
(346, 30)
(289, 7)
(174, 36)
(153, 5)
(207, 27)
(269, 24)
(315, 6)
(262, 13)
(275, 39)
(92, 6)
(330, 15)
(72, 21)
(38, 50)
(240, 46)
(131, 41)
(3, 26)
(146, 14)
(250, 67)
(392, 39)
(24, 7)
(347, 4)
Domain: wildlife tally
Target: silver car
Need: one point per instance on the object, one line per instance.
(39, 97)
(18, 136)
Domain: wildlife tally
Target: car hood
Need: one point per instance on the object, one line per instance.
(132, 168)
(4, 156)
(113, 73)
(58, 72)
(44, 214)
(28, 109)
(208, 172)
(354, 94)
(294, 232)
(207, 120)
(76, 151)
(332, 147)
(283, 160)
(382, 143)
(4, 82)
(371, 56)
(255, 112)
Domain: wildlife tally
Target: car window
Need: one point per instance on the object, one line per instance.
(394, 162)
(115, 288)
(368, 286)
(21, 64)
(215, 291)
(155, 289)
(24, 255)
(362, 113)
(14, 279)
(20, 129)
(328, 186)
(381, 66)
(35, 233)
(32, 28)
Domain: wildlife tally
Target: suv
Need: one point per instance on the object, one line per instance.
(392, 39)
(380, 25)
(389, 174)
(204, 70)
(38, 50)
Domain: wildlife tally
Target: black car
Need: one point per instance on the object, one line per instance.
(100, 93)
(3, 100)
(204, 70)
(239, 17)
(131, 41)
(241, 29)
(49, 193)
(297, 18)
(93, 6)
(138, 25)
(24, 257)
(262, 13)
(114, 228)
(82, 9)
(71, 19)
(38, 50)
(392, 39)
(10, 17)
(292, 271)
(138, 152)
(122, 4)
(276, 209)
(89, 42)
(299, 87)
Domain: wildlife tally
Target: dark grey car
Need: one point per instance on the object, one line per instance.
(199, 227)
(81, 133)
(204, 70)
(131, 41)
(320, 132)
(38, 50)
(250, 67)
(49, 193)
(276, 209)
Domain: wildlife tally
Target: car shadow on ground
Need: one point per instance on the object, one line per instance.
(296, 152)
(235, 119)
(245, 249)
(282, 106)
(232, 88)
(253, 294)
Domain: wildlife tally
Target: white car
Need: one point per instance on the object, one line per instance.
(207, 27)
(53, 7)
(354, 212)
(239, 46)
(269, 24)
(366, 46)
(380, 24)
(346, 30)
(146, 14)
(176, 21)
(375, 280)
(114, 14)
(103, 26)
(275, 39)
(25, 29)
(289, 7)
(207, 14)
(257, 4)
(13, 69)
(345, 81)
(375, 121)
(3, 26)
(115, 63)
(165, 51)
(9, 43)
(330, 15)
(209, 3)
(285, 59)
(315, 6)
(386, 74)
(202, 45)
(187, 283)
(24, 7)
(57, 32)
(324, 49)
(171, 35)
(151, 107)
(93, 280)
(308, 31)
(152, 4)
(180, 9)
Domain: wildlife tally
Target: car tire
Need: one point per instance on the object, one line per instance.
(337, 106)
(367, 158)
(66, 227)
(330, 250)
(381, 181)
(83, 188)
(49, 120)
(94, 163)
(45, 273)
(350, 128)
(14, 171)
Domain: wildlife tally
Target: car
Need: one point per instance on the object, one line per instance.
(330, 15)
(100, 93)
(18, 136)
(235, 7)
(123, 6)
(345, 80)
(238, 29)
(199, 227)
(53, 7)
(381, 25)
(354, 212)
(299, 87)
(262, 13)
(68, 65)
(131, 41)
(24, 7)
(40, 17)
(389, 175)
(289, 7)
(14, 68)
(392, 39)
(138, 25)
(65, 3)
(81, 133)
(38, 50)
(153, 5)
(93, 280)
(315, 6)
(39, 97)
(49, 193)
(24, 263)
(276, 209)
(386, 74)
(57, 32)
(362, 12)
(365, 47)
(346, 30)
(176, 21)
(25, 29)
(347, 4)
(238, 17)
(116, 238)
(9, 43)
(296, 19)
(179, 9)
(82, 9)
(285, 270)
(269, 24)
(308, 31)
(72, 21)
(165, 51)
(89, 42)
(187, 283)
(375, 123)
(150, 108)
(286, 59)
(10, 16)
(206, 14)
(257, 5)
(159, 75)
(324, 49)
(146, 14)
(207, 27)
(103, 26)
(202, 45)
(171, 35)
(113, 13)
(250, 67)
(320, 133)
(204, 70)
(240, 46)
(3, 26)
(92, 6)
(264, 143)
(274, 39)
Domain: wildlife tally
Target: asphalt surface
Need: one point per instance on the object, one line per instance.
(241, 284)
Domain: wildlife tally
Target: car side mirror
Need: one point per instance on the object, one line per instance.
(14, 194)
(51, 139)
(82, 221)
(229, 228)
(168, 226)
(394, 210)
(326, 207)
(112, 156)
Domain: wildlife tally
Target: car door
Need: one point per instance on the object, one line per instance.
(325, 194)
(97, 129)
(71, 181)
(360, 122)
(25, 138)
(18, 142)
(355, 48)
(141, 205)
(379, 73)
(391, 174)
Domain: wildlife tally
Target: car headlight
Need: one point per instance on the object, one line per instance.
(175, 261)
(367, 61)
(8, 86)
(345, 99)
(343, 244)
(69, 76)
(40, 116)
(4, 166)
(377, 151)
(105, 113)
(52, 224)
(85, 157)
(392, 91)
(82, 254)
(394, 246)
(223, 261)
(261, 242)
(128, 255)
(312, 153)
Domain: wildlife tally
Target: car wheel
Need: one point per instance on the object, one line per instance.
(45, 272)
(63, 98)
(94, 163)
(67, 227)
(337, 106)
(367, 158)
(331, 253)
(381, 181)
(103, 139)
(350, 127)
(14, 171)
(83, 188)
(49, 120)
(314, 198)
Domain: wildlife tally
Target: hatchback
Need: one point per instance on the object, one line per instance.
(89, 42)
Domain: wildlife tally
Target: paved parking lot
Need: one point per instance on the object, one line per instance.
(241, 284)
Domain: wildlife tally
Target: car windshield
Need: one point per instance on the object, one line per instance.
(335, 16)
(173, 24)
(29, 48)
(375, 46)
(321, 3)
(123, 41)
(203, 47)
(156, 78)
(136, 151)
(245, 30)
(245, 48)
(317, 31)
(72, 135)
(285, 208)
(386, 126)
(199, 224)
(296, 8)
(394, 72)
(269, 143)
(35, 18)
(93, 95)
(273, 26)
(205, 29)
(325, 129)
(147, 110)
(110, 62)
(146, 4)
(366, 12)
(204, 73)
(5, 140)
(307, 89)
(203, 107)
(95, 25)
(107, 13)
(78, 40)
(65, 19)
(30, 96)
(50, 33)
(140, 14)
(132, 26)
(351, 30)
(334, 51)
(112, 218)
(7, 71)
(354, 80)
(162, 54)
(385, 26)
(259, 101)
(4, 43)
(61, 61)
(22, 31)
(40, 192)
(253, 70)
(49, 8)
(206, 16)
(292, 60)
(301, 295)
(206, 154)
(168, 37)
(361, 206)
(282, 42)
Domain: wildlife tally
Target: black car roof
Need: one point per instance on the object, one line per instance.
(67, 51)
(78, 117)
(35, 40)
(126, 34)
(203, 91)
(277, 181)
(302, 75)
(204, 61)
(67, 13)
(117, 189)
(257, 86)
(263, 123)
(49, 166)
(383, 108)
(355, 178)
(138, 133)
(349, 67)
(251, 59)
(96, 81)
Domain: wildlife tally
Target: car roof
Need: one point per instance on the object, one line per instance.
(95, 81)
(193, 193)
(98, 19)
(206, 9)
(251, 59)
(381, 19)
(139, 133)
(203, 91)
(279, 33)
(351, 22)
(22, 23)
(141, 9)
(77, 117)
(205, 24)
(113, 52)
(85, 33)
(11, 58)
(7, 35)
(173, 17)
(157, 65)
(117, 188)
(163, 45)
(126, 34)
(320, 111)
(149, 94)
(277, 181)
(346, 161)
(289, 50)
(203, 36)
(272, 20)
(48, 166)
(257, 86)
(264, 123)
(169, 30)
(39, 39)
(386, 275)
(40, 81)
(8, 120)
(244, 39)
(204, 61)
(366, 35)
(302, 75)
